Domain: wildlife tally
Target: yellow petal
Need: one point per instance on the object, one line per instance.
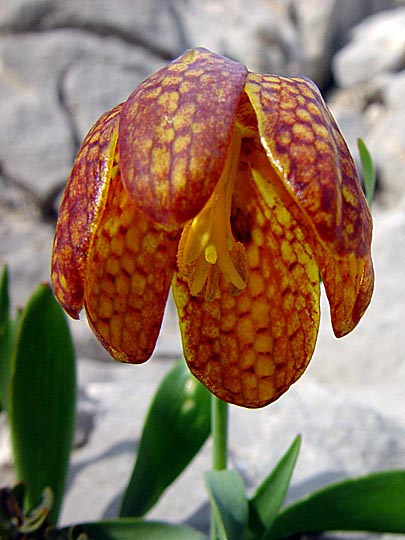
(317, 180)
(248, 349)
(80, 211)
(175, 130)
(128, 276)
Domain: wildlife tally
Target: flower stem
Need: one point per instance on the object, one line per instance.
(219, 431)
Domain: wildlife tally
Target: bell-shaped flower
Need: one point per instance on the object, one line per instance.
(238, 191)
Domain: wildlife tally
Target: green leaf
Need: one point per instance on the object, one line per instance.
(266, 502)
(177, 425)
(42, 398)
(373, 503)
(127, 529)
(228, 498)
(369, 176)
(5, 338)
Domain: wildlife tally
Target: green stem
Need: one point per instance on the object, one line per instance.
(219, 431)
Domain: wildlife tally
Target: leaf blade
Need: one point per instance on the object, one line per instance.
(369, 176)
(42, 398)
(228, 498)
(268, 498)
(176, 426)
(374, 503)
(128, 529)
(5, 338)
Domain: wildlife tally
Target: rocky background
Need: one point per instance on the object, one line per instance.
(62, 64)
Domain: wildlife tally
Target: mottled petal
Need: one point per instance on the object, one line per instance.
(80, 211)
(129, 271)
(174, 133)
(316, 172)
(248, 349)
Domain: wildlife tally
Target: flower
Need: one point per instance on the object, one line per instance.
(238, 191)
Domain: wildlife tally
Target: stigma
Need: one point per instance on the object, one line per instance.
(207, 247)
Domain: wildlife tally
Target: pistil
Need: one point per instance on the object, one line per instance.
(207, 246)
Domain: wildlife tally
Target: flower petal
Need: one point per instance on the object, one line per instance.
(129, 271)
(316, 171)
(175, 130)
(248, 349)
(81, 208)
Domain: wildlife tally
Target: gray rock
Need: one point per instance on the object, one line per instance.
(374, 111)
(386, 137)
(369, 361)
(323, 26)
(38, 138)
(275, 36)
(25, 247)
(377, 46)
(35, 141)
(101, 78)
(259, 35)
(23, 15)
(152, 24)
(7, 473)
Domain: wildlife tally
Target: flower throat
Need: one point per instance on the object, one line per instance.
(207, 246)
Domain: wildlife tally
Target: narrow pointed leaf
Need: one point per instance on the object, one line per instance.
(228, 498)
(42, 398)
(127, 529)
(5, 338)
(374, 503)
(177, 425)
(369, 177)
(266, 502)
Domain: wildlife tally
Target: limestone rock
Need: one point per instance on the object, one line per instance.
(377, 46)
(43, 96)
(150, 23)
(323, 26)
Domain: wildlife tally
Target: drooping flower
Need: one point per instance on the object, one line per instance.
(238, 191)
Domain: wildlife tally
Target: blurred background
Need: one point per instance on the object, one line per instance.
(62, 64)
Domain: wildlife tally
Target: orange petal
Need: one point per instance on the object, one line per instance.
(129, 271)
(174, 133)
(316, 172)
(248, 349)
(81, 208)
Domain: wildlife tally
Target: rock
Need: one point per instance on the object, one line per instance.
(369, 361)
(15, 200)
(7, 474)
(323, 27)
(377, 45)
(386, 139)
(152, 24)
(35, 140)
(101, 78)
(263, 38)
(25, 247)
(374, 111)
(23, 15)
(287, 38)
(35, 102)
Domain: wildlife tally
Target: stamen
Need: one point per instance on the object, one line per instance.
(207, 245)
